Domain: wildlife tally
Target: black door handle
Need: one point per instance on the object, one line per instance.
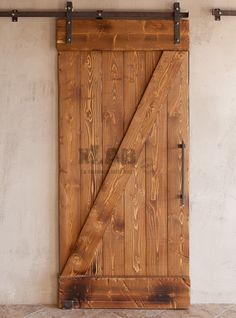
(182, 146)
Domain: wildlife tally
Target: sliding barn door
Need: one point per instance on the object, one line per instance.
(123, 152)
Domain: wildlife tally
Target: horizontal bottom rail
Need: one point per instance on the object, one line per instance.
(160, 292)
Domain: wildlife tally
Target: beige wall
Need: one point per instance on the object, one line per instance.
(28, 151)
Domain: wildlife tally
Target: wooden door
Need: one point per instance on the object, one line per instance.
(123, 116)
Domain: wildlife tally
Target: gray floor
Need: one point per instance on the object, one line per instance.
(198, 311)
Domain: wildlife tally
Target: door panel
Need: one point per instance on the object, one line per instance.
(123, 229)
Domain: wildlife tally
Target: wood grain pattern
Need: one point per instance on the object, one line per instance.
(91, 138)
(123, 35)
(91, 129)
(156, 185)
(124, 292)
(123, 110)
(156, 196)
(113, 109)
(134, 195)
(69, 143)
(111, 189)
(178, 240)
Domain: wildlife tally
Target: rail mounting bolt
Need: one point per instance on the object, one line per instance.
(14, 16)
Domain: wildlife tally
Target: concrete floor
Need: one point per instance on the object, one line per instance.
(195, 311)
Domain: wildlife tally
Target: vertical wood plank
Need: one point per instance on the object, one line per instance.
(113, 240)
(91, 138)
(156, 185)
(178, 238)
(135, 233)
(69, 143)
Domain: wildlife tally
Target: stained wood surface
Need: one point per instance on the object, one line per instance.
(90, 136)
(156, 185)
(123, 35)
(124, 292)
(69, 144)
(113, 185)
(178, 237)
(134, 194)
(123, 110)
(113, 131)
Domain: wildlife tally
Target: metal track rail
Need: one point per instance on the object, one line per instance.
(218, 13)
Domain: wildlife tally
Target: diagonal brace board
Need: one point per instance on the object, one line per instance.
(117, 177)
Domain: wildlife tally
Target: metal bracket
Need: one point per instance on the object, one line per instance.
(69, 9)
(176, 23)
(14, 16)
(99, 15)
(217, 13)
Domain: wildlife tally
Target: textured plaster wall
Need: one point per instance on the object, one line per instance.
(28, 151)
